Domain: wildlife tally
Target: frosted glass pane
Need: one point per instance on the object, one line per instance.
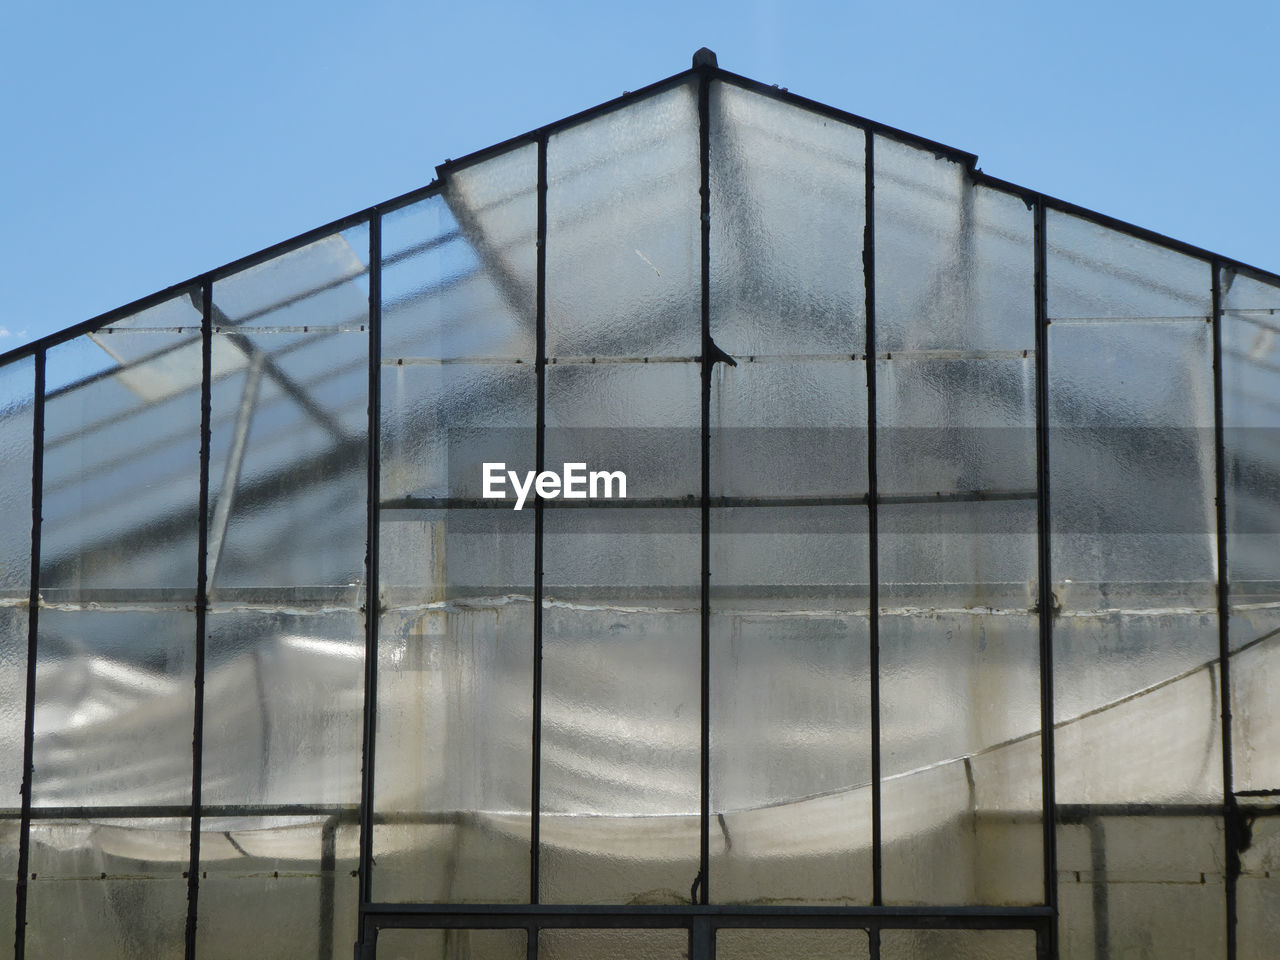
(1251, 439)
(278, 886)
(17, 386)
(1258, 888)
(642, 419)
(953, 557)
(809, 944)
(458, 268)
(121, 465)
(1142, 886)
(1255, 715)
(13, 698)
(957, 944)
(790, 756)
(788, 193)
(620, 724)
(288, 463)
(115, 701)
(789, 429)
(324, 284)
(451, 944)
(108, 889)
(8, 881)
(1161, 743)
(442, 423)
(790, 706)
(455, 704)
(954, 262)
(623, 234)
(1097, 273)
(620, 944)
(1131, 456)
(950, 425)
(284, 695)
(432, 556)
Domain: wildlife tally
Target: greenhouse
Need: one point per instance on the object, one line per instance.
(938, 616)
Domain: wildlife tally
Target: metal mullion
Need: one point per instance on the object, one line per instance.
(873, 547)
(1231, 812)
(540, 366)
(372, 606)
(708, 365)
(201, 612)
(1045, 603)
(33, 617)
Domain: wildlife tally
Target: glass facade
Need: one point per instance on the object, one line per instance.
(937, 617)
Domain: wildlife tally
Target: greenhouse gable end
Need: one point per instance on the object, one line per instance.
(935, 613)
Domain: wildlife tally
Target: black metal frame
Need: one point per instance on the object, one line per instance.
(700, 917)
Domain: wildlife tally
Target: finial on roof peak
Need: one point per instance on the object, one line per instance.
(705, 57)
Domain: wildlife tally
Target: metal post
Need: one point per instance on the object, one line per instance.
(1231, 811)
(540, 365)
(202, 605)
(33, 617)
(372, 603)
(873, 546)
(1045, 600)
(708, 366)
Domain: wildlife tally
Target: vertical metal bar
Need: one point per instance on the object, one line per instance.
(372, 603)
(873, 546)
(540, 365)
(702, 940)
(33, 617)
(708, 366)
(873, 934)
(202, 604)
(1045, 600)
(1230, 811)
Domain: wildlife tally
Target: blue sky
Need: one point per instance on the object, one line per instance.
(147, 142)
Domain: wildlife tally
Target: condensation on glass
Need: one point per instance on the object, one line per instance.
(938, 382)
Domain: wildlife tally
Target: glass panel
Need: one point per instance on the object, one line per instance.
(619, 944)
(17, 388)
(279, 887)
(1096, 273)
(642, 419)
(621, 706)
(442, 423)
(1251, 418)
(776, 944)
(623, 232)
(1143, 885)
(324, 284)
(452, 944)
(1131, 413)
(960, 699)
(121, 467)
(108, 888)
(789, 429)
(790, 706)
(459, 268)
(954, 262)
(788, 193)
(115, 707)
(1255, 717)
(455, 697)
(284, 696)
(957, 944)
(1258, 888)
(956, 426)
